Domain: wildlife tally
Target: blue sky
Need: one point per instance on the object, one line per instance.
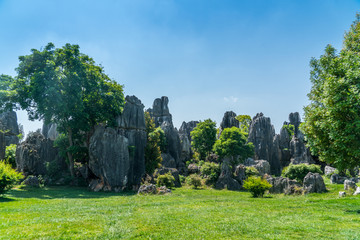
(207, 56)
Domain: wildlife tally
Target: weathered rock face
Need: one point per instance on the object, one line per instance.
(240, 174)
(329, 170)
(147, 189)
(262, 166)
(117, 154)
(349, 185)
(185, 140)
(34, 153)
(162, 117)
(261, 134)
(109, 157)
(226, 180)
(282, 185)
(9, 131)
(229, 120)
(50, 131)
(314, 183)
(174, 172)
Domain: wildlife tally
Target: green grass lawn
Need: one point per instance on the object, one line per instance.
(76, 213)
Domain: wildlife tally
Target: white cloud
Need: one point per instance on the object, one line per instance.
(231, 99)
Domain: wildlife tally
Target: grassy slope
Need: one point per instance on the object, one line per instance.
(70, 213)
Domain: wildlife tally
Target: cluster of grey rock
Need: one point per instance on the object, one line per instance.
(9, 131)
(116, 154)
(279, 149)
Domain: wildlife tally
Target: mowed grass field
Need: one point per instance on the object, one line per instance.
(76, 213)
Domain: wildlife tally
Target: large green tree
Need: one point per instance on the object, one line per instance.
(65, 86)
(233, 144)
(332, 119)
(203, 137)
(153, 157)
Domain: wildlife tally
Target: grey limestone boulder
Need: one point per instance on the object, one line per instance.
(349, 185)
(147, 189)
(329, 170)
(314, 183)
(31, 181)
(282, 185)
(35, 153)
(226, 180)
(174, 172)
(357, 191)
(342, 194)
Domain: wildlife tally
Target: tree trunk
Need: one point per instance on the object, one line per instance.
(69, 154)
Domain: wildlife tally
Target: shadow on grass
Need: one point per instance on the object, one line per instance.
(4, 199)
(63, 192)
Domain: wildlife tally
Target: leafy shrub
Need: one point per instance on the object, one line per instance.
(257, 186)
(299, 171)
(210, 171)
(182, 178)
(194, 180)
(8, 177)
(251, 171)
(10, 153)
(290, 129)
(166, 180)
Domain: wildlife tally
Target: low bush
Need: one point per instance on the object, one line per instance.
(256, 186)
(210, 171)
(251, 171)
(182, 178)
(8, 177)
(10, 153)
(166, 180)
(299, 171)
(194, 181)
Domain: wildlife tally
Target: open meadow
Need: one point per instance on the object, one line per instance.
(76, 213)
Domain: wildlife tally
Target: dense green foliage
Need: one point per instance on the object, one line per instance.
(203, 138)
(299, 171)
(332, 119)
(153, 157)
(76, 213)
(7, 94)
(166, 180)
(194, 180)
(10, 154)
(8, 177)
(251, 171)
(65, 86)
(210, 171)
(290, 129)
(244, 123)
(233, 143)
(257, 186)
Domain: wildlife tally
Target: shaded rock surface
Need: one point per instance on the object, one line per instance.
(229, 120)
(9, 131)
(282, 185)
(162, 118)
(174, 172)
(261, 134)
(278, 149)
(226, 180)
(314, 183)
(117, 154)
(349, 185)
(262, 166)
(35, 153)
(31, 181)
(185, 140)
(329, 170)
(50, 131)
(147, 189)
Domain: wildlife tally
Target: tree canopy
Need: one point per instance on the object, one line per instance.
(233, 143)
(332, 119)
(203, 137)
(244, 122)
(153, 157)
(64, 86)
